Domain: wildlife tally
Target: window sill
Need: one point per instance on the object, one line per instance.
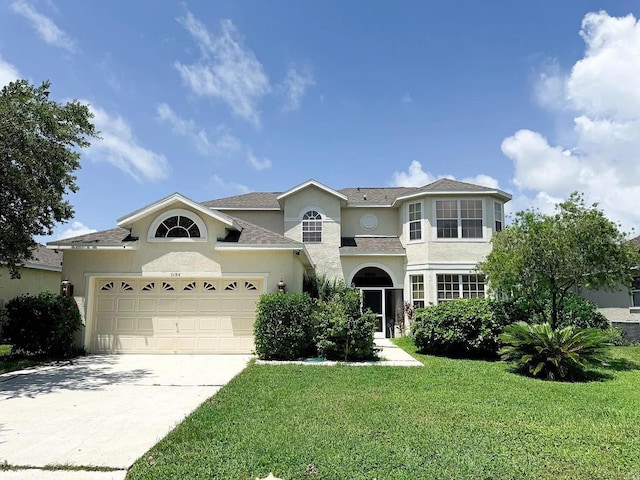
(462, 240)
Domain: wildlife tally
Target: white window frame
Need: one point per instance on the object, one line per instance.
(303, 221)
(459, 220)
(419, 221)
(417, 279)
(498, 214)
(457, 279)
(181, 212)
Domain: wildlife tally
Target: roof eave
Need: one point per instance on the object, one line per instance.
(93, 246)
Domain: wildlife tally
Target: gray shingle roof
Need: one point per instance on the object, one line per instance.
(248, 200)
(371, 245)
(448, 185)
(375, 196)
(636, 242)
(254, 235)
(104, 237)
(43, 257)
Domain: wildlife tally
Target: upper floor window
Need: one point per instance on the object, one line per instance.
(498, 215)
(312, 227)
(459, 218)
(452, 286)
(635, 292)
(417, 290)
(177, 225)
(415, 221)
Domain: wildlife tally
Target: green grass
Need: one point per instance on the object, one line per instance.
(10, 363)
(453, 419)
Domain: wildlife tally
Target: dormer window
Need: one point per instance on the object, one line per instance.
(177, 225)
(312, 227)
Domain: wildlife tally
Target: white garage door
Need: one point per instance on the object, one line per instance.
(174, 315)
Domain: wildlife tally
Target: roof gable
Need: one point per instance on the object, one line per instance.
(312, 183)
(172, 200)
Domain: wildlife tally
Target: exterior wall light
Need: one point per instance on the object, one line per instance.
(282, 286)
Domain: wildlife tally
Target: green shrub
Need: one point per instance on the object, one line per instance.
(42, 324)
(561, 354)
(343, 332)
(284, 327)
(468, 328)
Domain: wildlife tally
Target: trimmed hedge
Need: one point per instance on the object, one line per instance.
(467, 328)
(284, 328)
(42, 324)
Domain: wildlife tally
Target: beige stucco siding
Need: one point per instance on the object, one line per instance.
(325, 255)
(387, 219)
(32, 281)
(393, 265)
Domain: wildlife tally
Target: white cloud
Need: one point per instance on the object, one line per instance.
(415, 176)
(120, 147)
(45, 27)
(258, 163)
(602, 93)
(8, 73)
(220, 143)
(295, 86)
(77, 228)
(230, 187)
(226, 69)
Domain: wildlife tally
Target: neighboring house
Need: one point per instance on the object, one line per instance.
(37, 275)
(183, 277)
(622, 307)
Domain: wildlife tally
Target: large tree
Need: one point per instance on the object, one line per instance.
(39, 151)
(543, 257)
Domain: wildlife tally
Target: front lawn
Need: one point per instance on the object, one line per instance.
(452, 419)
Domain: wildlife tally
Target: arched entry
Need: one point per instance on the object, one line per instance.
(378, 294)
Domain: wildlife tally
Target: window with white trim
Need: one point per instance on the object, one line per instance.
(452, 286)
(635, 292)
(417, 290)
(415, 221)
(459, 218)
(177, 226)
(498, 215)
(312, 227)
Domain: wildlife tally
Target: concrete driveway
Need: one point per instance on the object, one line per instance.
(103, 410)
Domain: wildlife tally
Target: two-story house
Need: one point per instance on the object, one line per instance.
(183, 277)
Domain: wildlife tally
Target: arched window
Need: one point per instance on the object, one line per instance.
(312, 227)
(177, 226)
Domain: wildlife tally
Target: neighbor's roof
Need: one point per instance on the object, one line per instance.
(114, 236)
(371, 245)
(636, 242)
(45, 259)
(357, 196)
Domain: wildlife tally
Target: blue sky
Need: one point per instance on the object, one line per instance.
(213, 99)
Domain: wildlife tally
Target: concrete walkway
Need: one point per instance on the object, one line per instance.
(101, 410)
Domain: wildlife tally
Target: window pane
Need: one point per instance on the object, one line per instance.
(171, 222)
(417, 287)
(447, 228)
(471, 228)
(415, 231)
(185, 222)
(177, 232)
(415, 211)
(161, 231)
(312, 227)
(635, 299)
(194, 231)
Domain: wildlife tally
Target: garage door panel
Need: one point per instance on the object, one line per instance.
(144, 325)
(147, 305)
(167, 305)
(126, 305)
(188, 305)
(106, 305)
(191, 318)
(124, 324)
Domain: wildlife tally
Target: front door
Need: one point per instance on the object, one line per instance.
(373, 299)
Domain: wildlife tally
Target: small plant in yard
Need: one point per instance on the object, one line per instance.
(555, 354)
(343, 333)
